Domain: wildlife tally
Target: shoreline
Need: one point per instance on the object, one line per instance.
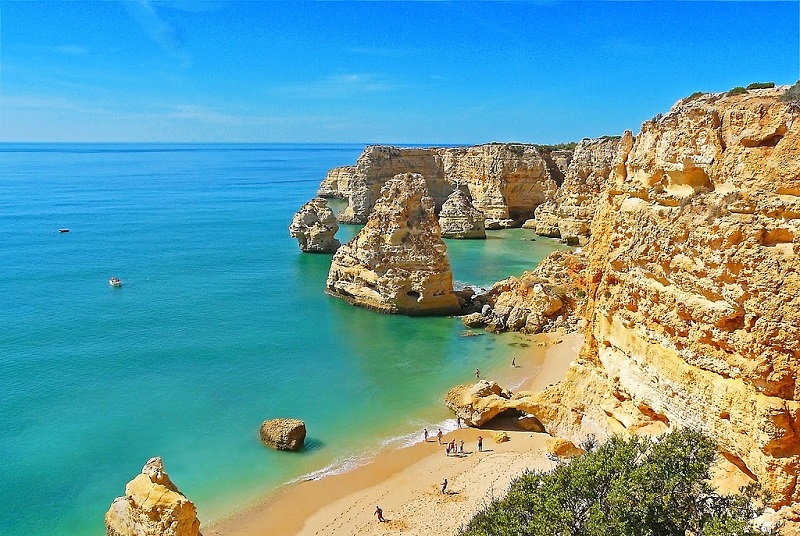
(405, 481)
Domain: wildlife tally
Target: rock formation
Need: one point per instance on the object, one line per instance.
(693, 288)
(152, 506)
(283, 434)
(545, 299)
(398, 262)
(569, 214)
(477, 403)
(314, 227)
(505, 181)
(459, 219)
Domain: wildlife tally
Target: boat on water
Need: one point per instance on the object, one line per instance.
(115, 281)
(64, 230)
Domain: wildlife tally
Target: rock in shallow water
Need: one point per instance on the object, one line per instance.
(314, 227)
(398, 262)
(459, 219)
(284, 434)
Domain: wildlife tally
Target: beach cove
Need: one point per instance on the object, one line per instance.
(204, 340)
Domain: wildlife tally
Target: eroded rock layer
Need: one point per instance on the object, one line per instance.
(459, 219)
(398, 262)
(693, 287)
(152, 506)
(505, 181)
(569, 214)
(314, 226)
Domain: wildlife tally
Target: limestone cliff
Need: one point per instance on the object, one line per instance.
(398, 262)
(314, 226)
(152, 506)
(569, 214)
(460, 219)
(693, 287)
(505, 181)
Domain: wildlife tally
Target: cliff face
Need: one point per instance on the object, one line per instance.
(693, 287)
(506, 182)
(569, 214)
(460, 219)
(398, 262)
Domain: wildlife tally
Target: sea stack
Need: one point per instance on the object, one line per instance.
(459, 219)
(152, 506)
(398, 262)
(314, 227)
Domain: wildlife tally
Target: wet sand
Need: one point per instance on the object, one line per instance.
(406, 482)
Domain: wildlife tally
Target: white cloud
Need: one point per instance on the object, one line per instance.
(161, 32)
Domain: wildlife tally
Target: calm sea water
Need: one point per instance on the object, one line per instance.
(220, 324)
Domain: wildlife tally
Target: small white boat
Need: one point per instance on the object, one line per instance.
(63, 230)
(115, 281)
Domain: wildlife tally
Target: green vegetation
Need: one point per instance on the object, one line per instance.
(738, 90)
(569, 146)
(761, 85)
(626, 487)
(694, 95)
(792, 94)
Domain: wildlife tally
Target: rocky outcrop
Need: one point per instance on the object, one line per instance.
(314, 226)
(477, 403)
(398, 262)
(459, 219)
(505, 181)
(693, 288)
(548, 298)
(152, 506)
(569, 214)
(283, 434)
(337, 183)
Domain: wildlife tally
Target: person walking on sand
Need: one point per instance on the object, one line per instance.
(439, 435)
(425, 433)
(379, 513)
(513, 362)
(461, 447)
(444, 485)
(477, 374)
(480, 443)
(458, 421)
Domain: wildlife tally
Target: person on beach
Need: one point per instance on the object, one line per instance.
(477, 374)
(379, 513)
(444, 485)
(458, 421)
(439, 435)
(513, 362)
(480, 443)
(461, 447)
(425, 433)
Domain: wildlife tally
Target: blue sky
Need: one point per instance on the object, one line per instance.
(373, 72)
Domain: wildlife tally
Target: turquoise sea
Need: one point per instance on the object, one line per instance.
(221, 323)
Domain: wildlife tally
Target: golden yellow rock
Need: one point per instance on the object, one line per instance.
(398, 262)
(478, 403)
(563, 448)
(693, 288)
(152, 506)
(500, 437)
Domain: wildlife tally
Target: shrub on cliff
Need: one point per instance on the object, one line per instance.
(761, 85)
(624, 487)
(792, 94)
(738, 90)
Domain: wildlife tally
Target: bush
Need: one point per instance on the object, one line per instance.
(694, 96)
(570, 146)
(761, 85)
(631, 486)
(792, 94)
(738, 90)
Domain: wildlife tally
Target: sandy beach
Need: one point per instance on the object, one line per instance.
(406, 482)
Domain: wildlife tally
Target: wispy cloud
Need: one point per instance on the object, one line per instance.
(159, 30)
(341, 86)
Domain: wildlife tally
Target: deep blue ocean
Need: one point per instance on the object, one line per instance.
(221, 323)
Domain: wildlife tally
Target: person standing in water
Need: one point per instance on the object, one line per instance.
(513, 362)
(425, 433)
(477, 374)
